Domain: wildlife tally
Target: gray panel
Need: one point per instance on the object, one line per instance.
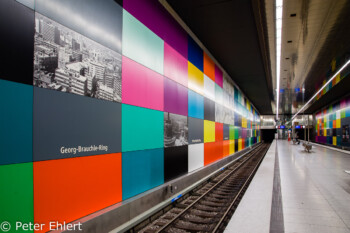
(195, 130)
(63, 122)
(226, 132)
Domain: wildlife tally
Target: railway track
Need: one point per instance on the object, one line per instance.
(209, 207)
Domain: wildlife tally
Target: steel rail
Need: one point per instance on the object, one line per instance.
(256, 150)
(246, 183)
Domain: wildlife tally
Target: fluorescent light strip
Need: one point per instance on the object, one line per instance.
(279, 10)
(330, 80)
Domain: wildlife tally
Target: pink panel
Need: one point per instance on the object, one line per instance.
(343, 103)
(218, 76)
(175, 65)
(141, 86)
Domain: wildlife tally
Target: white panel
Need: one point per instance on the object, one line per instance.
(195, 156)
(209, 88)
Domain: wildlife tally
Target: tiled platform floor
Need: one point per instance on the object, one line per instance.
(315, 192)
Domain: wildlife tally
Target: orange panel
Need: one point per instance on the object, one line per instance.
(68, 189)
(334, 124)
(209, 67)
(243, 143)
(219, 131)
(212, 151)
(226, 148)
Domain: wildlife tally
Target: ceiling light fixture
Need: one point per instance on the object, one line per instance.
(279, 8)
(330, 80)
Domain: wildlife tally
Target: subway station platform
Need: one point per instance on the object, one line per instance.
(296, 191)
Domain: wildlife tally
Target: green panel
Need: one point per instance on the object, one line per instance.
(141, 44)
(236, 133)
(232, 132)
(142, 128)
(16, 196)
(342, 113)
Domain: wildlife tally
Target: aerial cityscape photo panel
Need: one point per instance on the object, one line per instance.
(69, 62)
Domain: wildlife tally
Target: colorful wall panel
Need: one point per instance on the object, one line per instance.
(175, 97)
(90, 184)
(175, 65)
(195, 105)
(175, 162)
(16, 21)
(209, 131)
(142, 86)
(195, 130)
(142, 133)
(333, 123)
(16, 196)
(218, 76)
(219, 132)
(115, 94)
(195, 156)
(142, 170)
(209, 109)
(209, 67)
(67, 125)
(226, 132)
(141, 44)
(213, 151)
(195, 79)
(16, 122)
(149, 12)
(226, 148)
(209, 88)
(195, 54)
(232, 146)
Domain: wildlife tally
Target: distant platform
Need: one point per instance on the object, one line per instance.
(297, 191)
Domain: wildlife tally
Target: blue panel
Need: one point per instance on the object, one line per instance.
(16, 122)
(141, 171)
(347, 112)
(195, 54)
(195, 105)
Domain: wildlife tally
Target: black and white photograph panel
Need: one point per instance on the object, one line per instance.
(99, 20)
(66, 61)
(175, 130)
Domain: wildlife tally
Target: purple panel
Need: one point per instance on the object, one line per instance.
(152, 14)
(218, 76)
(175, 97)
(244, 133)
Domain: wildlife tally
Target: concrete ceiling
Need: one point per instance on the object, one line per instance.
(240, 34)
(314, 32)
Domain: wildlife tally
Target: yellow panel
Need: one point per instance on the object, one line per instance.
(325, 132)
(232, 147)
(195, 79)
(240, 144)
(244, 122)
(335, 141)
(337, 79)
(209, 131)
(333, 64)
(338, 123)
